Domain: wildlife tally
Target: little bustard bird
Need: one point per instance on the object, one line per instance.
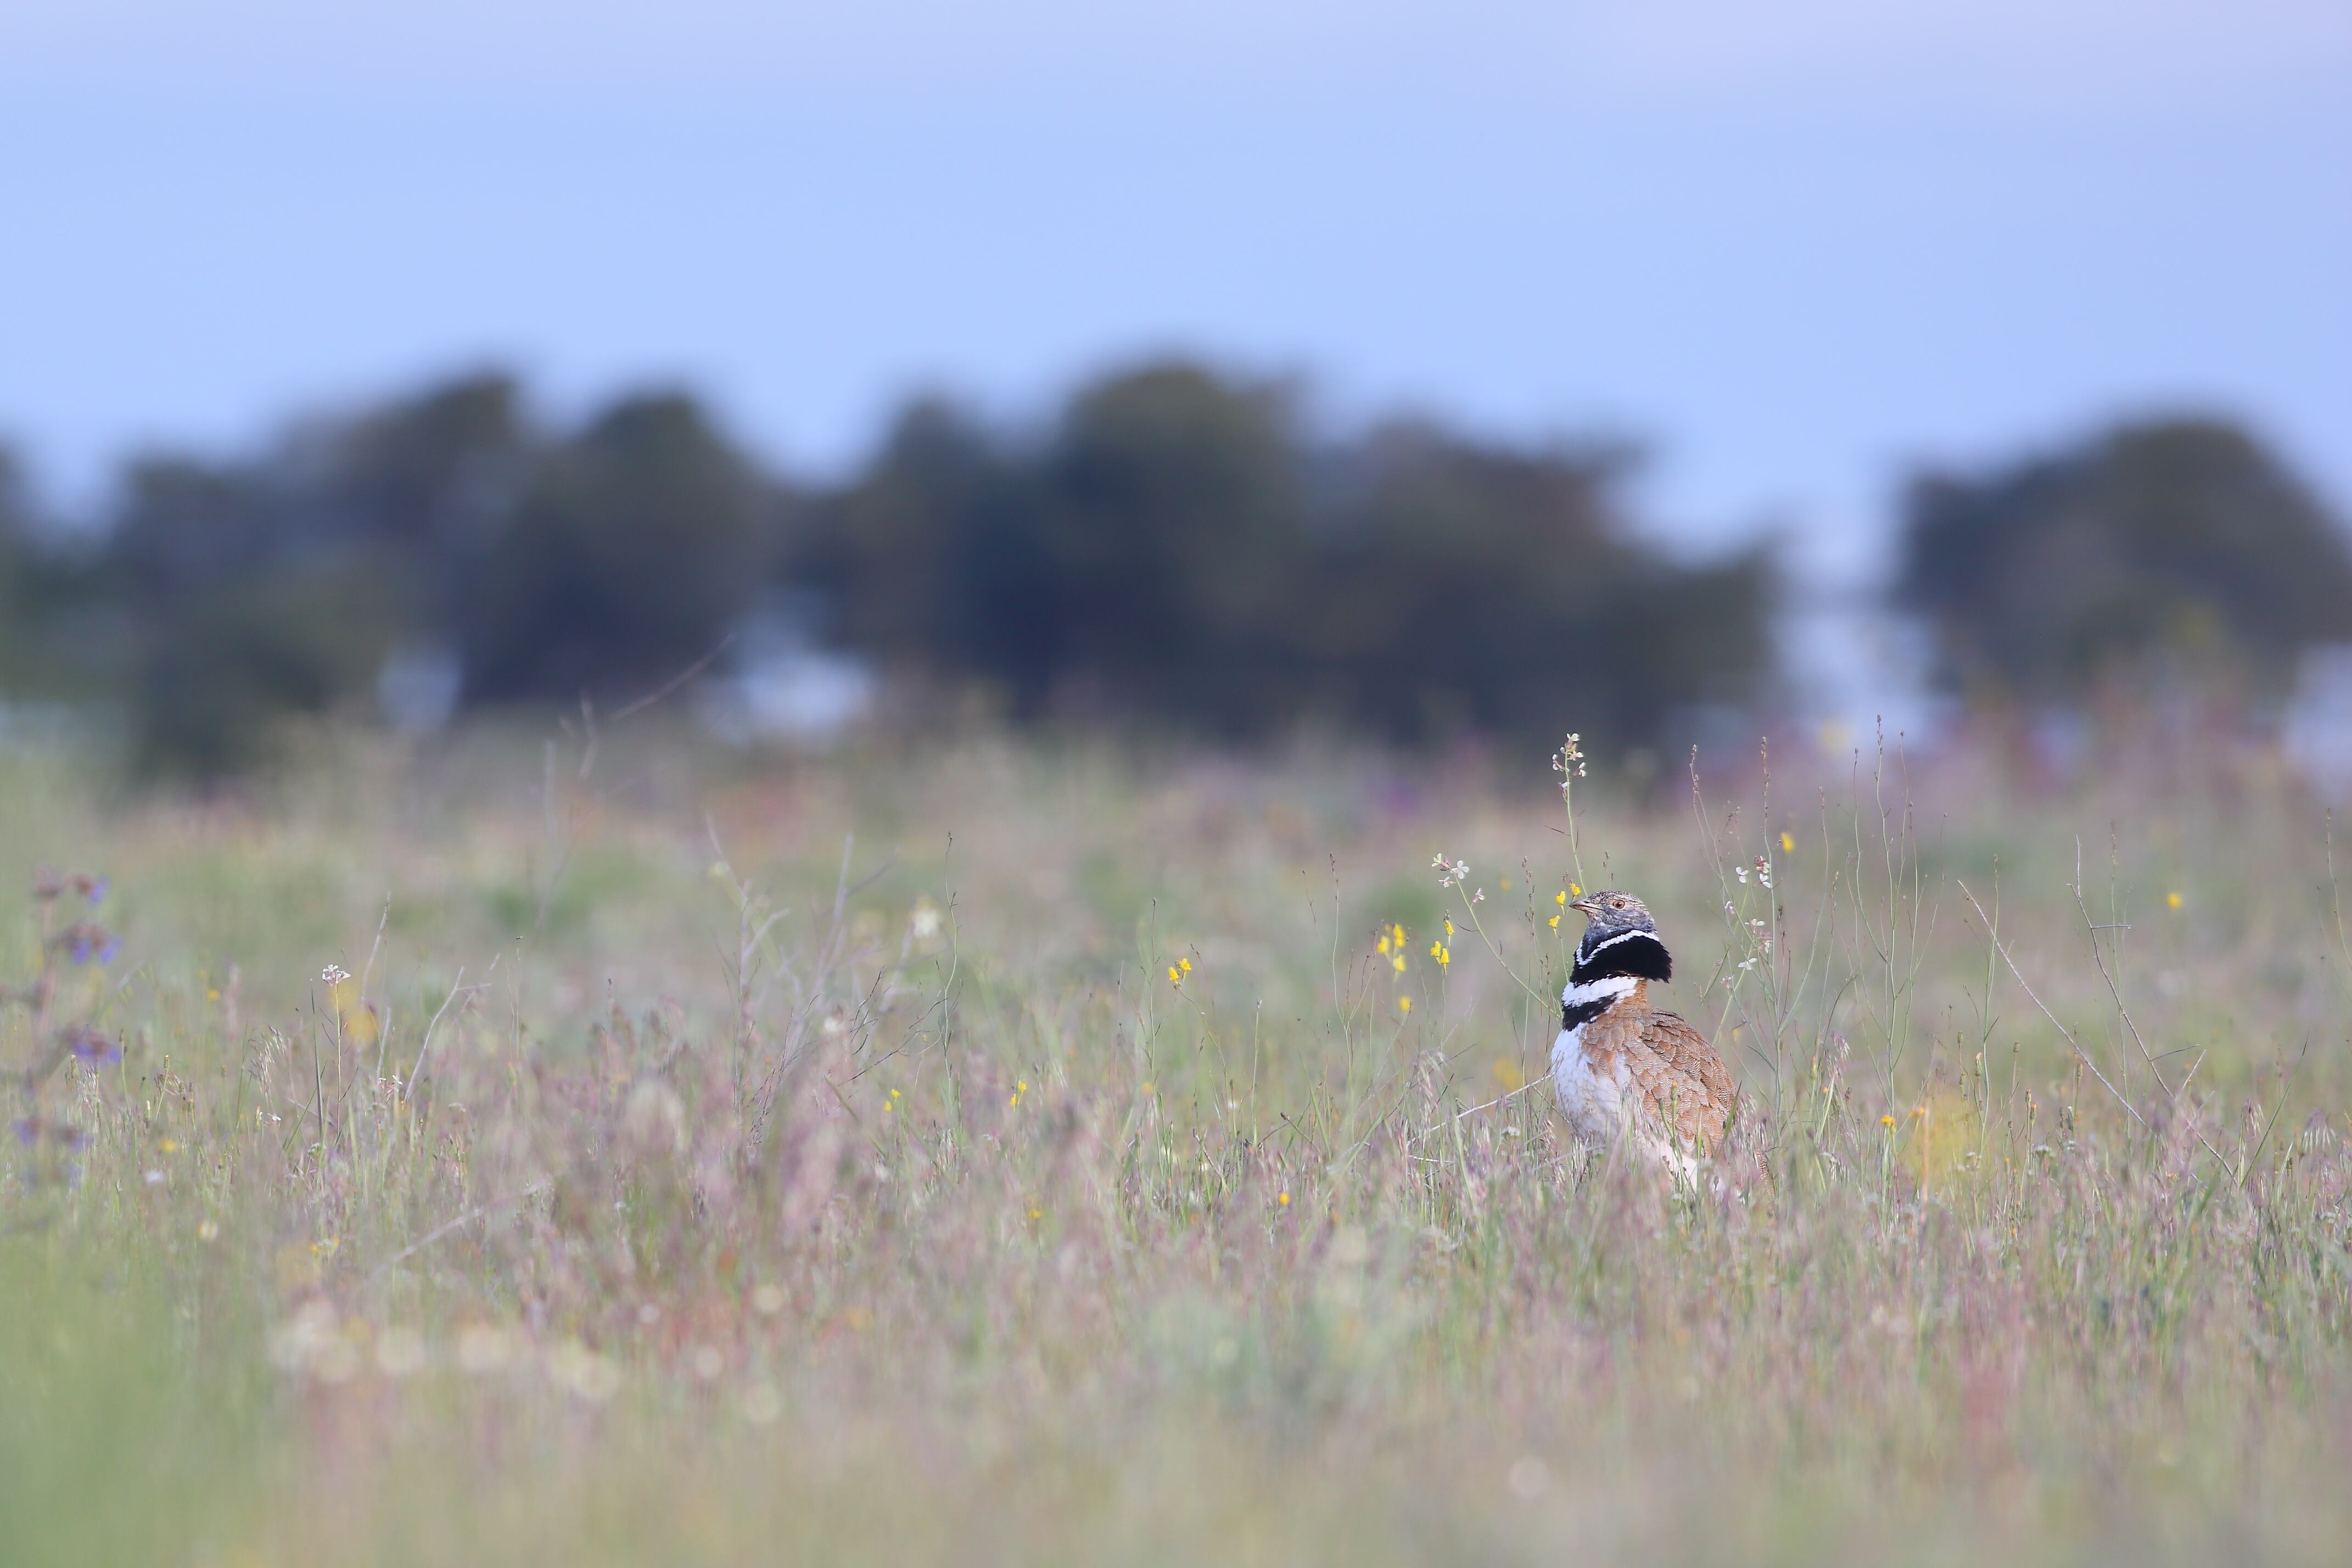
(1620, 1068)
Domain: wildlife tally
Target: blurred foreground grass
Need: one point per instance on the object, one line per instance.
(703, 1162)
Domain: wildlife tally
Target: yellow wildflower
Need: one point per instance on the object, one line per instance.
(1787, 842)
(1887, 1120)
(1284, 1200)
(351, 1010)
(1398, 932)
(1383, 945)
(1560, 899)
(1449, 928)
(1404, 1004)
(1397, 964)
(1577, 890)
(1175, 975)
(1555, 922)
(2172, 899)
(1938, 1147)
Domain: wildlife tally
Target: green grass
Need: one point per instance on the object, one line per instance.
(815, 1163)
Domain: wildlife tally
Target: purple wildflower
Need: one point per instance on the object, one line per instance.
(31, 1130)
(85, 941)
(91, 1048)
(97, 891)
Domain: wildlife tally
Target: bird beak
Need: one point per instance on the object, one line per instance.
(1583, 906)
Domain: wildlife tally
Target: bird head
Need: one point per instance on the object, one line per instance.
(1610, 912)
(1620, 938)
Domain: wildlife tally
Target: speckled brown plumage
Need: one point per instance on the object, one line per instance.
(1673, 1075)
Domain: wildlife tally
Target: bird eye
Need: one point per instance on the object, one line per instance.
(1616, 903)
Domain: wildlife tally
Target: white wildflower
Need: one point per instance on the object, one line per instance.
(314, 1342)
(761, 1405)
(483, 1350)
(400, 1353)
(583, 1373)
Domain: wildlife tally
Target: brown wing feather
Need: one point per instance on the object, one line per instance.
(1683, 1079)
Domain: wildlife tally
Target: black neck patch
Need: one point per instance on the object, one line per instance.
(1573, 1014)
(1639, 954)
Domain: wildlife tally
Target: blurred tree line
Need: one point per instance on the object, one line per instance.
(1172, 546)
(2162, 554)
(219, 598)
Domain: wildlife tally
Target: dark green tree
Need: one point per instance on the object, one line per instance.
(1473, 587)
(629, 554)
(1132, 559)
(428, 481)
(21, 569)
(2173, 551)
(248, 592)
(1175, 547)
(1173, 520)
(932, 561)
(238, 614)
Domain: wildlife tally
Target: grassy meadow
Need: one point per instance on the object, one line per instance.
(981, 1152)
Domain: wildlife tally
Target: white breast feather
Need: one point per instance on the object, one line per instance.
(1601, 1106)
(1593, 1102)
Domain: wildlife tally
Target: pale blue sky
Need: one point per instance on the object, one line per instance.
(1795, 246)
